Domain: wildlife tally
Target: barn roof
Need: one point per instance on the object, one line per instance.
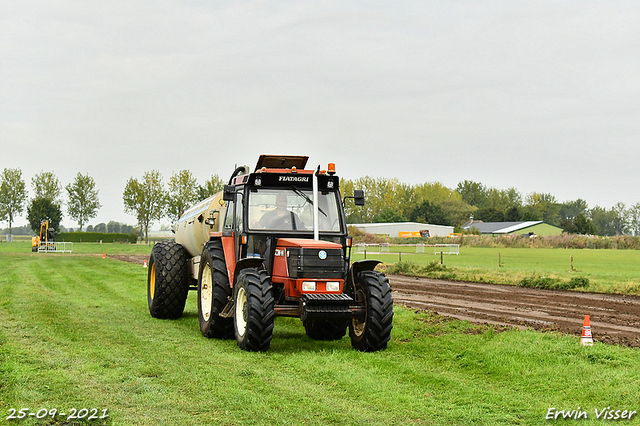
(501, 227)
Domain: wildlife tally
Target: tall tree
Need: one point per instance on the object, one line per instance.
(427, 212)
(602, 220)
(47, 185)
(210, 187)
(473, 193)
(583, 225)
(489, 214)
(571, 209)
(512, 214)
(101, 228)
(113, 227)
(41, 209)
(83, 199)
(182, 194)
(620, 219)
(145, 199)
(634, 219)
(388, 215)
(543, 206)
(12, 195)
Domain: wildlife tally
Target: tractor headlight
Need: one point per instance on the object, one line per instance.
(308, 286)
(333, 286)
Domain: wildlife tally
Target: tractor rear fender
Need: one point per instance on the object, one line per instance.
(356, 268)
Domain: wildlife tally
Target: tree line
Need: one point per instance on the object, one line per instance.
(388, 200)
(149, 200)
(46, 202)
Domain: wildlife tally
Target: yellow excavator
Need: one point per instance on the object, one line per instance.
(45, 239)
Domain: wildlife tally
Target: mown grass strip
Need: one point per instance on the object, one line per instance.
(76, 332)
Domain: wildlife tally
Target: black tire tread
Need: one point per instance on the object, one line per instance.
(379, 312)
(171, 282)
(260, 315)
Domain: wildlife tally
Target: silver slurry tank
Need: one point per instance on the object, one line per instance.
(195, 225)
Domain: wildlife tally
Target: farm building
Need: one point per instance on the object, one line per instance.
(536, 227)
(405, 229)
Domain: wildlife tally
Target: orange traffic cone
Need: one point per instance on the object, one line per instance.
(104, 256)
(587, 338)
(145, 263)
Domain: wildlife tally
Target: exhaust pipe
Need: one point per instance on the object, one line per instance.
(316, 229)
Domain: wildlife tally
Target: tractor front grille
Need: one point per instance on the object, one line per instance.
(316, 263)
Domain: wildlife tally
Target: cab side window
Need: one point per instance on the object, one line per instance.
(228, 217)
(234, 211)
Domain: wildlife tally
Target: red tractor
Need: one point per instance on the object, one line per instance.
(274, 242)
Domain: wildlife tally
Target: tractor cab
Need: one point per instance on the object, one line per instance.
(271, 214)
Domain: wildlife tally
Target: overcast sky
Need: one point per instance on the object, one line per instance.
(542, 96)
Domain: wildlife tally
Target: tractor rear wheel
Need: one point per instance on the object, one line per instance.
(372, 332)
(325, 329)
(167, 280)
(213, 293)
(253, 310)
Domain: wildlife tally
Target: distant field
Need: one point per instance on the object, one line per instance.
(609, 271)
(75, 332)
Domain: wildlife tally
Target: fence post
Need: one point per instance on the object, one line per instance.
(441, 258)
(571, 263)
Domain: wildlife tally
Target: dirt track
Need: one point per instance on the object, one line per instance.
(615, 319)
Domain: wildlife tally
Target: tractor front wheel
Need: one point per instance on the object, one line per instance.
(253, 310)
(167, 280)
(372, 332)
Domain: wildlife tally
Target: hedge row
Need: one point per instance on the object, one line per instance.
(94, 237)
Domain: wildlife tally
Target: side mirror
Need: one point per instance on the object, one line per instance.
(228, 193)
(358, 197)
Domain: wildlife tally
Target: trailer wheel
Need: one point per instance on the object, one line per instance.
(372, 332)
(325, 330)
(213, 293)
(253, 310)
(167, 280)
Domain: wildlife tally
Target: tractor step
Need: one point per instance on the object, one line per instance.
(227, 312)
(328, 306)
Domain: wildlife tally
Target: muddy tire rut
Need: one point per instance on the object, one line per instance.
(614, 319)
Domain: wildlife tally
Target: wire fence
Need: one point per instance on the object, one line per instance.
(379, 248)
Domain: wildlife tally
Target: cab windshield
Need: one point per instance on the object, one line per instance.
(292, 210)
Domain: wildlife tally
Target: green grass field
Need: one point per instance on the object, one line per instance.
(75, 332)
(609, 271)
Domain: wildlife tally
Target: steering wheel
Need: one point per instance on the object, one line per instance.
(279, 223)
